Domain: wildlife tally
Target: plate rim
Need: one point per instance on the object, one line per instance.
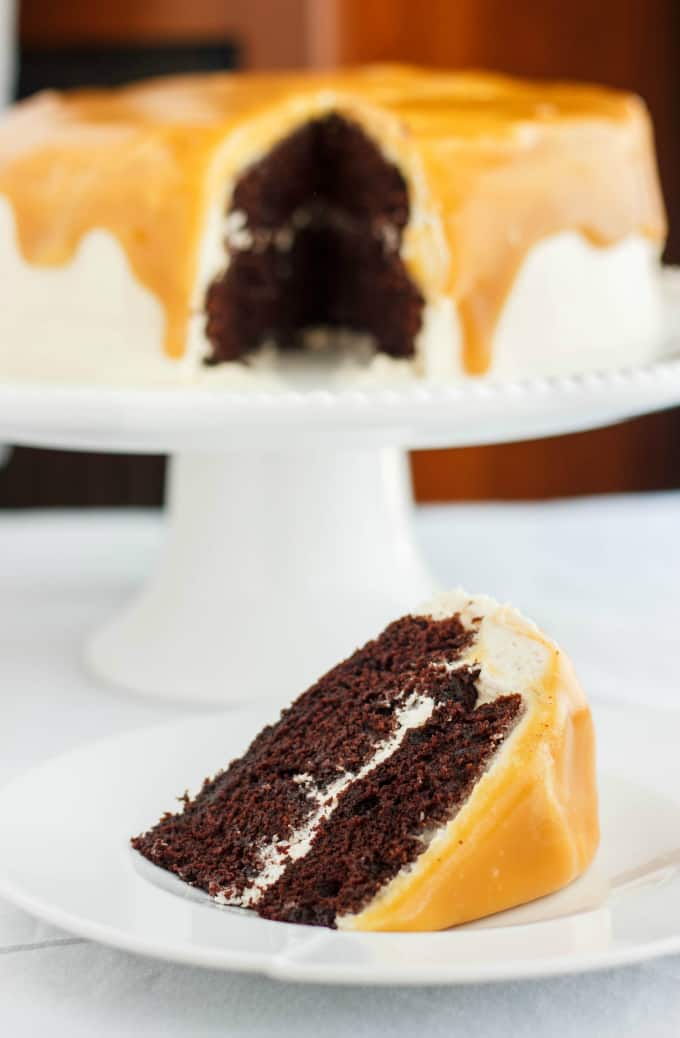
(277, 965)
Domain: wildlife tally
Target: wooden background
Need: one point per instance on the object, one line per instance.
(626, 43)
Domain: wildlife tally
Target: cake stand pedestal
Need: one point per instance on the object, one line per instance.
(276, 565)
(289, 538)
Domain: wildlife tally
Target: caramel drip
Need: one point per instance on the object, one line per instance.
(494, 166)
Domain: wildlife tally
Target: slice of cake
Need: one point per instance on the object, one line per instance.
(442, 224)
(443, 772)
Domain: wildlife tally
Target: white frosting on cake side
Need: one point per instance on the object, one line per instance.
(509, 661)
(573, 306)
(87, 321)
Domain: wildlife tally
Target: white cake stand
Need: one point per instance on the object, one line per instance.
(289, 537)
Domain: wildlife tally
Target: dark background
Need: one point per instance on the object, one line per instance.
(629, 43)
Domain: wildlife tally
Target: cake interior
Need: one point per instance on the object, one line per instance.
(349, 786)
(312, 242)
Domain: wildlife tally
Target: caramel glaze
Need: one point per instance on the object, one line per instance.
(494, 165)
(529, 827)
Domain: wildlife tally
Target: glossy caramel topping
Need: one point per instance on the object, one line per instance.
(530, 826)
(493, 165)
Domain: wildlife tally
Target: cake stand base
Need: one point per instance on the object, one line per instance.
(277, 564)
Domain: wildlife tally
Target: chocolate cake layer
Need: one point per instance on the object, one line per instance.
(319, 223)
(216, 841)
(381, 823)
(328, 804)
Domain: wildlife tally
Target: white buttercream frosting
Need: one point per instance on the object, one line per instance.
(508, 661)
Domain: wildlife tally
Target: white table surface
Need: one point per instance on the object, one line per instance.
(603, 576)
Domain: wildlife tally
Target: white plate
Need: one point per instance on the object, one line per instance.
(64, 857)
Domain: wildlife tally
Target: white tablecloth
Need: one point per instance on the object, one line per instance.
(603, 576)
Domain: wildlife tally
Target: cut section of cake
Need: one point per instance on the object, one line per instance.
(438, 224)
(442, 773)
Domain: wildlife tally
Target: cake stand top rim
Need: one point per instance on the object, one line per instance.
(415, 414)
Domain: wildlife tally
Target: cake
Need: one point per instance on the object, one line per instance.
(423, 223)
(442, 773)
